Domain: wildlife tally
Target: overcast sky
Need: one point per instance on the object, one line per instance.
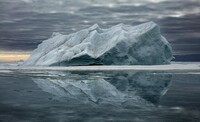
(25, 23)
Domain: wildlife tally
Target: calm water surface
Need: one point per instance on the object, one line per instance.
(111, 96)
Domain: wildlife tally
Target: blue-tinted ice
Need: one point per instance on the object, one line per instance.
(119, 45)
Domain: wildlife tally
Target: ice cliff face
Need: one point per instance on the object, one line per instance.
(119, 45)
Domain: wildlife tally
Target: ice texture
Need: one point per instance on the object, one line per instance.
(119, 45)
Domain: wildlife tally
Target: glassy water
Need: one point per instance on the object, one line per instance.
(97, 96)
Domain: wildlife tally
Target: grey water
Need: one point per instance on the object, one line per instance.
(99, 96)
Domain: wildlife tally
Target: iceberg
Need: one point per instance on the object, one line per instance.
(119, 45)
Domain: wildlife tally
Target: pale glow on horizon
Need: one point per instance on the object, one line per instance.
(6, 56)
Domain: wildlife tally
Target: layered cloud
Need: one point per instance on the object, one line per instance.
(25, 23)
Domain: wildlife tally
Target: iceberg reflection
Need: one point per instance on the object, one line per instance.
(124, 88)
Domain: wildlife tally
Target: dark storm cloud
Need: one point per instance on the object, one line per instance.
(25, 23)
(183, 33)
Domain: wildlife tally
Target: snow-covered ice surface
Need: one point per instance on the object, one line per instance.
(119, 45)
(174, 66)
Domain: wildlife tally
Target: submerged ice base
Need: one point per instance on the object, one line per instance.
(119, 45)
